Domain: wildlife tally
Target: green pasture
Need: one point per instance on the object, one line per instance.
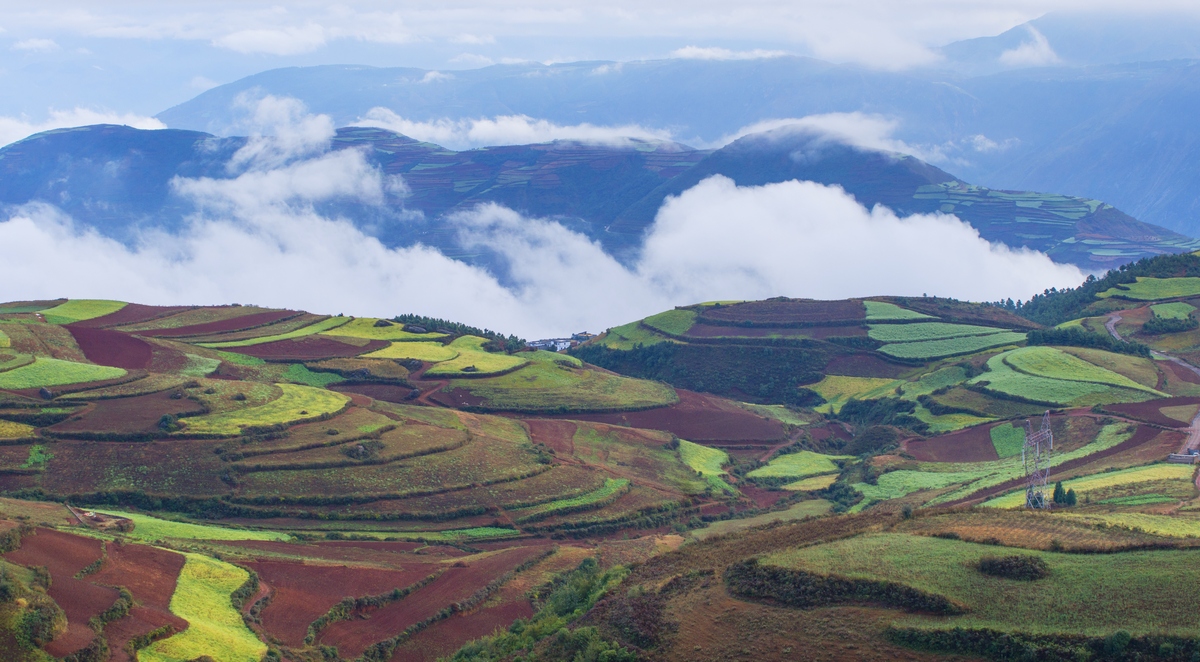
(215, 628)
(882, 310)
(296, 403)
(298, 373)
(799, 465)
(935, 349)
(1175, 310)
(12, 361)
(1007, 439)
(628, 336)
(55, 372)
(430, 352)
(364, 327)
(474, 360)
(1003, 378)
(78, 310)
(1177, 477)
(707, 462)
(1053, 363)
(149, 528)
(319, 327)
(1154, 289)
(921, 331)
(1142, 592)
(674, 322)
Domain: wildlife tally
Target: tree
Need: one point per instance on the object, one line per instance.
(1060, 496)
(1071, 499)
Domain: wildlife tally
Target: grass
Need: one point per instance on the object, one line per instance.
(707, 462)
(896, 484)
(38, 457)
(1142, 371)
(431, 352)
(151, 528)
(926, 331)
(215, 628)
(5, 342)
(1053, 363)
(947, 422)
(628, 336)
(55, 372)
(936, 349)
(324, 325)
(77, 310)
(881, 310)
(838, 390)
(474, 360)
(1163, 525)
(802, 510)
(799, 465)
(1001, 377)
(612, 487)
(240, 359)
(1153, 289)
(1154, 473)
(1143, 592)
(13, 361)
(812, 484)
(1176, 310)
(675, 322)
(299, 374)
(296, 403)
(364, 327)
(552, 382)
(932, 381)
(1008, 440)
(10, 430)
(203, 366)
(451, 535)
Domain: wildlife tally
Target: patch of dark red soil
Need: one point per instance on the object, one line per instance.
(1144, 435)
(457, 397)
(696, 417)
(349, 552)
(1150, 411)
(132, 313)
(148, 572)
(112, 348)
(167, 360)
(139, 621)
(456, 584)
(36, 393)
(125, 415)
(1180, 373)
(864, 365)
(27, 306)
(61, 553)
(232, 324)
(446, 637)
(762, 498)
(787, 312)
(385, 392)
(830, 431)
(970, 445)
(719, 331)
(305, 592)
(309, 348)
(556, 435)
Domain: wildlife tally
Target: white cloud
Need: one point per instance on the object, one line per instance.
(504, 130)
(434, 76)
(1033, 53)
(473, 39)
(275, 41)
(864, 130)
(13, 129)
(36, 45)
(202, 83)
(471, 59)
(713, 53)
(280, 130)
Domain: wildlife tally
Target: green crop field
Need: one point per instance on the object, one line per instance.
(1001, 377)
(215, 628)
(77, 310)
(324, 325)
(812, 484)
(936, 349)
(1140, 370)
(1007, 439)
(675, 322)
(149, 528)
(628, 336)
(707, 462)
(1153, 289)
(240, 359)
(1175, 310)
(1163, 525)
(13, 361)
(299, 374)
(54, 372)
(553, 382)
(474, 360)
(947, 422)
(799, 511)
(896, 484)
(296, 403)
(1180, 474)
(612, 488)
(920, 331)
(799, 465)
(1053, 363)
(431, 352)
(364, 327)
(201, 366)
(1143, 592)
(932, 381)
(881, 310)
(10, 430)
(5, 342)
(838, 390)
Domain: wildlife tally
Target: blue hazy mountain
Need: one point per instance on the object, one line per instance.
(118, 181)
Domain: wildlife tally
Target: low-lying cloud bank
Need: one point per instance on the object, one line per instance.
(13, 129)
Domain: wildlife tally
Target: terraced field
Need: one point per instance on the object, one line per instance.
(935, 349)
(1048, 375)
(1155, 289)
(45, 372)
(297, 403)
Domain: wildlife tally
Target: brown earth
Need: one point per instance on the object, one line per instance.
(230, 324)
(309, 348)
(1180, 373)
(1150, 411)
(150, 574)
(446, 637)
(718, 331)
(970, 445)
(132, 313)
(865, 365)
(125, 415)
(385, 392)
(112, 348)
(787, 312)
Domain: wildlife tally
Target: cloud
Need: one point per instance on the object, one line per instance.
(504, 130)
(864, 130)
(36, 45)
(713, 53)
(275, 41)
(473, 39)
(280, 129)
(434, 76)
(471, 59)
(1033, 53)
(13, 129)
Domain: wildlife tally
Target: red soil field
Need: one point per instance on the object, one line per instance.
(457, 397)
(139, 621)
(970, 445)
(820, 332)
(787, 312)
(112, 348)
(864, 365)
(385, 392)
(1149, 411)
(458, 583)
(35, 393)
(1179, 373)
(305, 592)
(309, 348)
(762, 498)
(225, 325)
(446, 637)
(556, 435)
(61, 553)
(696, 417)
(132, 313)
(124, 415)
(150, 574)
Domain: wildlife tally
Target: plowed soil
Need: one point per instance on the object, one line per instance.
(385, 392)
(225, 325)
(132, 313)
(793, 312)
(126, 415)
(970, 445)
(556, 435)
(139, 621)
(150, 574)
(446, 637)
(305, 592)
(309, 348)
(864, 365)
(1149, 411)
(719, 331)
(1180, 373)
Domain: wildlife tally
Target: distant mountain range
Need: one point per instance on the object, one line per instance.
(1119, 131)
(117, 180)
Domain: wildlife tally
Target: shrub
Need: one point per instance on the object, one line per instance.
(1160, 325)
(1076, 337)
(1018, 566)
(873, 440)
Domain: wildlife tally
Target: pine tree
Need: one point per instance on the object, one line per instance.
(1060, 496)
(1071, 499)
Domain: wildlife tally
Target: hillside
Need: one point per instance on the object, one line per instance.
(118, 180)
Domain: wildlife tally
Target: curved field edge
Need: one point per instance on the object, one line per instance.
(298, 403)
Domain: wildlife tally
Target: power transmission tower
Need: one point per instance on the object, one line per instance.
(1035, 456)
